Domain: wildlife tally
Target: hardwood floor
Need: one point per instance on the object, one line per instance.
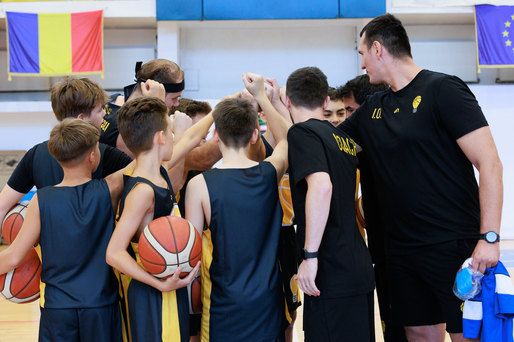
(20, 322)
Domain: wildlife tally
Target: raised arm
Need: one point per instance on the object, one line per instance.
(276, 100)
(480, 149)
(191, 139)
(278, 125)
(203, 157)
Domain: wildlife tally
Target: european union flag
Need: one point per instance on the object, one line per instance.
(495, 36)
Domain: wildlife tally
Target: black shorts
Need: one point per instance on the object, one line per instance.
(97, 324)
(421, 285)
(195, 324)
(345, 319)
(287, 257)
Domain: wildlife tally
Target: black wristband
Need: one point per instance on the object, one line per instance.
(308, 255)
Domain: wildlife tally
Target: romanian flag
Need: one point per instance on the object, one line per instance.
(494, 36)
(54, 44)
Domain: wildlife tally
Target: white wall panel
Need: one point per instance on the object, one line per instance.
(496, 104)
(450, 57)
(120, 66)
(216, 57)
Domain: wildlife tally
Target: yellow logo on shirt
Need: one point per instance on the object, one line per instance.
(377, 113)
(346, 145)
(397, 110)
(105, 124)
(415, 103)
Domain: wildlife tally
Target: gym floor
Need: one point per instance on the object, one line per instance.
(19, 322)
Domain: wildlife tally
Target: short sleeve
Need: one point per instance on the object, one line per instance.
(114, 160)
(306, 153)
(458, 108)
(22, 179)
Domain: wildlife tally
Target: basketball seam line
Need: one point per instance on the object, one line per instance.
(27, 284)
(174, 240)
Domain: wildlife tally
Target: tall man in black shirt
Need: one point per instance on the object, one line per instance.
(336, 273)
(423, 137)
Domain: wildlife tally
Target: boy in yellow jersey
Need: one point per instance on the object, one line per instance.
(157, 309)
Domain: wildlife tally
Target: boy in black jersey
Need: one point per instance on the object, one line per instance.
(336, 273)
(287, 254)
(79, 292)
(71, 98)
(423, 137)
(157, 309)
(242, 292)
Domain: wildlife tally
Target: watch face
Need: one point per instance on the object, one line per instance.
(491, 237)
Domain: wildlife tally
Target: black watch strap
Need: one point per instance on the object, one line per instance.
(308, 255)
(490, 237)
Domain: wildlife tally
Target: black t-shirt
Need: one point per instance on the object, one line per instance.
(38, 167)
(426, 185)
(344, 263)
(109, 134)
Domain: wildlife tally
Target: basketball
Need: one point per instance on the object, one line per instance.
(169, 242)
(360, 212)
(21, 285)
(13, 221)
(194, 296)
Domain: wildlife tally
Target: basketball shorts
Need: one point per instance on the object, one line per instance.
(153, 314)
(195, 324)
(345, 319)
(97, 324)
(421, 285)
(287, 257)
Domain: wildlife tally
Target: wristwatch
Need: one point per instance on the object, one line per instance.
(308, 255)
(490, 237)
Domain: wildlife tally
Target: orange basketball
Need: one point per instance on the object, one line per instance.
(13, 221)
(360, 212)
(194, 296)
(21, 285)
(169, 242)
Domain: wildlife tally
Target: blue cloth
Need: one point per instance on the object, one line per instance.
(490, 313)
(495, 35)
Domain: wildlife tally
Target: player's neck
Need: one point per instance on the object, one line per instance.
(301, 114)
(75, 175)
(235, 158)
(148, 165)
